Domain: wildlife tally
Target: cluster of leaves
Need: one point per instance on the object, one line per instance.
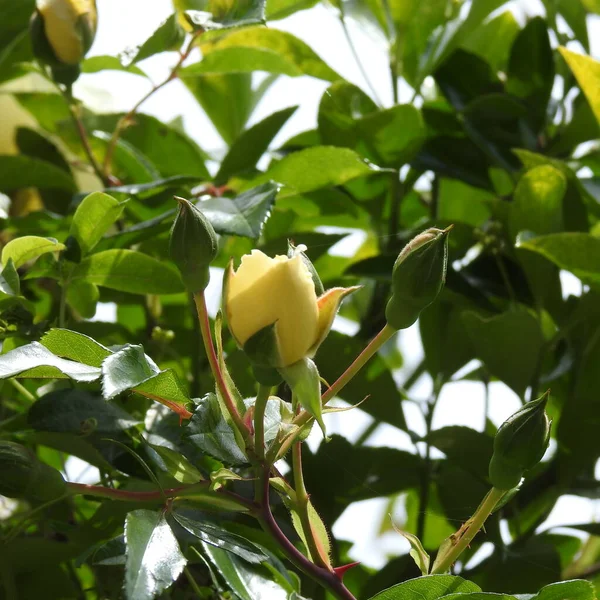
(491, 147)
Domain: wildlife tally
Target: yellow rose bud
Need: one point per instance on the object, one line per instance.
(69, 27)
(277, 296)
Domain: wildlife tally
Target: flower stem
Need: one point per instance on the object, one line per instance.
(260, 406)
(359, 362)
(315, 548)
(203, 319)
(464, 536)
(325, 577)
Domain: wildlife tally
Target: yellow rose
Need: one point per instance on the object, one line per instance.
(70, 27)
(279, 292)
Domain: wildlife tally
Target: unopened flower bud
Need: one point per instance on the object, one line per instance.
(62, 32)
(520, 444)
(418, 276)
(193, 246)
(25, 476)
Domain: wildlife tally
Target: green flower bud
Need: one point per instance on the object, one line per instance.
(418, 276)
(193, 245)
(520, 444)
(24, 476)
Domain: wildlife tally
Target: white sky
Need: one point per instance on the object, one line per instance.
(126, 23)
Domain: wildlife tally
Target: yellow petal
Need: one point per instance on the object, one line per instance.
(276, 290)
(61, 26)
(328, 304)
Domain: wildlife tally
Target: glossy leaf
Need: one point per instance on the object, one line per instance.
(218, 14)
(37, 362)
(246, 151)
(200, 527)
(128, 271)
(587, 73)
(244, 215)
(154, 560)
(428, 588)
(261, 49)
(209, 431)
(93, 217)
(572, 251)
(28, 247)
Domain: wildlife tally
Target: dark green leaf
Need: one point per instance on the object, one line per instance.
(251, 145)
(209, 431)
(509, 344)
(154, 560)
(23, 171)
(216, 536)
(219, 14)
(244, 215)
(168, 36)
(573, 590)
(77, 411)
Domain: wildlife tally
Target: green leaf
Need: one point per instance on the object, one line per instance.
(154, 560)
(244, 215)
(573, 590)
(129, 271)
(509, 344)
(176, 465)
(168, 36)
(572, 251)
(538, 202)
(172, 152)
(431, 587)
(221, 14)
(219, 537)
(587, 73)
(209, 431)
(95, 64)
(93, 217)
(33, 144)
(78, 411)
(469, 449)
(37, 362)
(75, 346)
(394, 135)
(243, 578)
(83, 296)
(531, 69)
(228, 100)
(279, 9)
(18, 172)
(131, 369)
(28, 247)
(315, 168)
(260, 49)
(305, 382)
(10, 284)
(418, 553)
(247, 149)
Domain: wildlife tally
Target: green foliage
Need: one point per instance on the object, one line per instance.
(492, 126)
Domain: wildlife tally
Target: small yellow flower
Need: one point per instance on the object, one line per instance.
(279, 292)
(70, 27)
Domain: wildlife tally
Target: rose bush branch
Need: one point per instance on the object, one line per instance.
(125, 120)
